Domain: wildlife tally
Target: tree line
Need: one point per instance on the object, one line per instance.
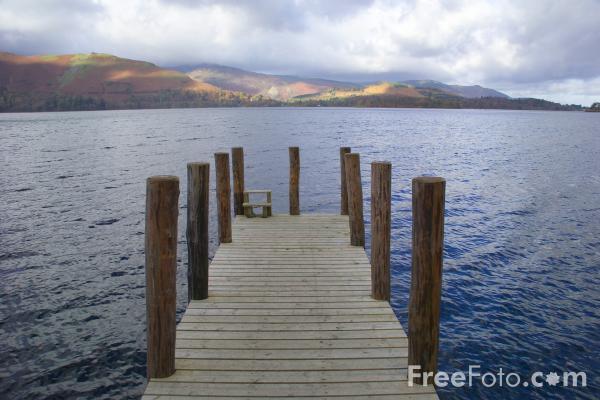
(17, 102)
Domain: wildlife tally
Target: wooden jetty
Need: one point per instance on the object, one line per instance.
(291, 306)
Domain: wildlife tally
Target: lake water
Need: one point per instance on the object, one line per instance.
(521, 280)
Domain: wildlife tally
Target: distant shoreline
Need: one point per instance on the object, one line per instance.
(164, 99)
(285, 106)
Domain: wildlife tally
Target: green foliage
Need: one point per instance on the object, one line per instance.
(72, 103)
(73, 73)
(7, 100)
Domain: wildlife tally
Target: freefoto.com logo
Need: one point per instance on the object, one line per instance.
(500, 378)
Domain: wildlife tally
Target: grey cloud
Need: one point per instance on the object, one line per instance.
(282, 15)
(56, 26)
(557, 40)
(522, 46)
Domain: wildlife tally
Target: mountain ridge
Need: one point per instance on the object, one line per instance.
(276, 87)
(468, 91)
(94, 81)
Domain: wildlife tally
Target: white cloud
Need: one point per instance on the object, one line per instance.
(567, 91)
(541, 47)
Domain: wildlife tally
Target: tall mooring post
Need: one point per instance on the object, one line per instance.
(237, 166)
(162, 209)
(355, 199)
(197, 230)
(381, 221)
(294, 180)
(344, 187)
(223, 185)
(428, 197)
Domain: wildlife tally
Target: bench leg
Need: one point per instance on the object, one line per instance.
(265, 211)
(247, 210)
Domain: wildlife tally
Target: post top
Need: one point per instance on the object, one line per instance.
(352, 155)
(163, 178)
(429, 179)
(221, 153)
(198, 163)
(382, 162)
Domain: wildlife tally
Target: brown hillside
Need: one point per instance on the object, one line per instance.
(92, 75)
(277, 87)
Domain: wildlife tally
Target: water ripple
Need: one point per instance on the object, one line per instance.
(522, 255)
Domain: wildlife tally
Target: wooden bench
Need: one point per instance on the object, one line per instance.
(249, 206)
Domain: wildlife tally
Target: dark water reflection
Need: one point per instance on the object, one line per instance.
(521, 275)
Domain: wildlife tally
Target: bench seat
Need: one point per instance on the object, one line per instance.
(249, 206)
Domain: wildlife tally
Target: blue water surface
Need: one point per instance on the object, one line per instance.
(521, 280)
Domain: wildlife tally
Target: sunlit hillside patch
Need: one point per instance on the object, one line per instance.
(392, 88)
(49, 58)
(380, 88)
(151, 74)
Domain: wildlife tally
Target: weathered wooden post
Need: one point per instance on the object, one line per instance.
(355, 199)
(344, 188)
(162, 208)
(381, 219)
(294, 180)
(428, 195)
(197, 230)
(237, 166)
(223, 196)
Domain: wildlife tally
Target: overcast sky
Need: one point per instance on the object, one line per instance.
(548, 49)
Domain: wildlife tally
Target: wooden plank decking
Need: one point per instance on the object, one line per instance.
(289, 315)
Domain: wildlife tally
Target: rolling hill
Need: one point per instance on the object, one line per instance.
(385, 94)
(276, 87)
(469, 92)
